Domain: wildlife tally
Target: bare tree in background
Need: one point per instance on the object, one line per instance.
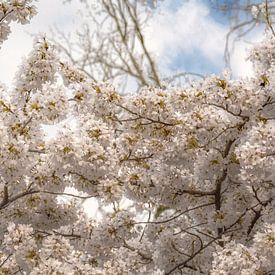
(243, 16)
(111, 45)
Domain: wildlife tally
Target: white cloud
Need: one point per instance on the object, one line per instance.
(185, 30)
(190, 29)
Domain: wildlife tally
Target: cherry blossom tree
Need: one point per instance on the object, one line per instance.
(196, 166)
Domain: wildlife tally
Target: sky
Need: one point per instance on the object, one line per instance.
(184, 35)
(190, 36)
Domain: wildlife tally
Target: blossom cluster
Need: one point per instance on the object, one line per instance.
(20, 11)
